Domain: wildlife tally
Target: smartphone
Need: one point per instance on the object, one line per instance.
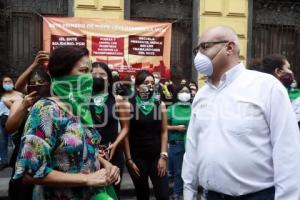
(41, 90)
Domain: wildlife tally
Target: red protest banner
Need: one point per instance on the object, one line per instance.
(125, 46)
(146, 45)
(107, 46)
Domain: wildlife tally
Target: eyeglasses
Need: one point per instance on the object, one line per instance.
(207, 45)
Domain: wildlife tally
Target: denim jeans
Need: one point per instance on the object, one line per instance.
(3, 141)
(176, 152)
(267, 194)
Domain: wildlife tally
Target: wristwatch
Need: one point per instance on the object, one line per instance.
(164, 154)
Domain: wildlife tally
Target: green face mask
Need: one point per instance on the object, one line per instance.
(75, 91)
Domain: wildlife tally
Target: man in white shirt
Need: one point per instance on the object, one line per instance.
(243, 141)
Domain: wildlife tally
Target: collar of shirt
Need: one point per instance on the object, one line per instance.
(228, 77)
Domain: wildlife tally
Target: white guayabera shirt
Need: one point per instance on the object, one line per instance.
(243, 137)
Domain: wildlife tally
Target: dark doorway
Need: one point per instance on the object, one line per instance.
(276, 29)
(180, 13)
(21, 36)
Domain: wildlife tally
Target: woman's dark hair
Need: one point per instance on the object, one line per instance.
(178, 88)
(2, 91)
(271, 62)
(141, 77)
(63, 59)
(41, 72)
(108, 72)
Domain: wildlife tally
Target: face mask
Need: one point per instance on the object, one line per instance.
(294, 84)
(98, 85)
(8, 87)
(184, 97)
(287, 79)
(41, 90)
(132, 80)
(76, 91)
(115, 73)
(146, 92)
(203, 64)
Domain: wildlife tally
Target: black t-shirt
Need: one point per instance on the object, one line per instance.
(107, 122)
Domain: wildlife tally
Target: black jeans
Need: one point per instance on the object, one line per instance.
(148, 168)
(19, 191)
(267, 194)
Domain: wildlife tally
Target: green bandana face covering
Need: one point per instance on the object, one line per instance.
(75, 91)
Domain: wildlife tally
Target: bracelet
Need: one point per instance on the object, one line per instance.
(128, 159)
(164, 154)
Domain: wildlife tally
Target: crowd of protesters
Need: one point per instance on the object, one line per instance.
(75, 125)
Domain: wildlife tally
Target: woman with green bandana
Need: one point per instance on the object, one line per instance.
(111, 116)
(146, 144)
(59, 152)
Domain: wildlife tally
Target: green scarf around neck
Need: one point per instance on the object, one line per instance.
(145, 106)
(75, 91)
(99, 101)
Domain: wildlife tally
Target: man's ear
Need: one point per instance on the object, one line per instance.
(230, 47)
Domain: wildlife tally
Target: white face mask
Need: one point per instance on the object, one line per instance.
(184, 97)
(294, 84)
(203, 64)
(133, 80)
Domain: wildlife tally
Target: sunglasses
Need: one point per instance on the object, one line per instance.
(207, 45)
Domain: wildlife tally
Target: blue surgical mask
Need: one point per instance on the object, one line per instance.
(8, 87)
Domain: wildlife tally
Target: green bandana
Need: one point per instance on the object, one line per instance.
(75, 91)
(99, 101)
(294, 94)
(146, 106)
(105, 193)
